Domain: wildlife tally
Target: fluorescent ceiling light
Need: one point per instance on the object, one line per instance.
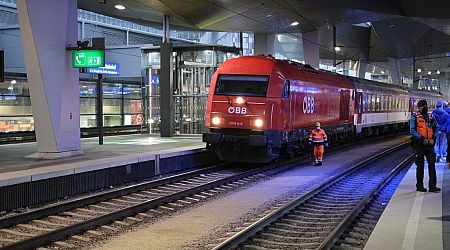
(119, 7)
(294, 23)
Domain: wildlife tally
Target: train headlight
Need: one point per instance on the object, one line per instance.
(259, 123)
(215, 120)
(240, 100)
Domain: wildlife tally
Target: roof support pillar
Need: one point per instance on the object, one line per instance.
(264, 44)
(395, 73)
(166, 84)
(311, 48)
(47, 28)
(362, 69)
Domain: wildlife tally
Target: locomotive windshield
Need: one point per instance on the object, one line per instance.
(244, 85)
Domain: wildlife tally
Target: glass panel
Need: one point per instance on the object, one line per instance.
(88, 121)
(242, 85)
(132, 91)
(88, 89)
(112, 90)
(15, 124)
(154, 117)
(112, 120)
(111, 106)
(190, 114)
(15, 105)
(14, 87)
(88, 105)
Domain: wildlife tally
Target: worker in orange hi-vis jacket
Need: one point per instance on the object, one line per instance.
(318, 138)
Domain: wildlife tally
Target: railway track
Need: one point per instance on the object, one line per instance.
(78, 222)
(85, 218)
(319, 218)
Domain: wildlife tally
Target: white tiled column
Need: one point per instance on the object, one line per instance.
(47, 28)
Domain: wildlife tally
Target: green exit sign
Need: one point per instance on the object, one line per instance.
(88, 58)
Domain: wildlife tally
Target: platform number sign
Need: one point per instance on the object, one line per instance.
(88, 58)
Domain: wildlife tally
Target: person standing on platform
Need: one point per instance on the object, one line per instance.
(422, 131)
(318, 138)
(440, 116)
(447, 130)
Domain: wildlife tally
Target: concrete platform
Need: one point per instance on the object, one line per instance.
(415, 220)
(123, 159)
(117, 150)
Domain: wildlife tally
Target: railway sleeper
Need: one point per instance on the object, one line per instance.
(308, 219)
(94, 233)
(314, 215)
(33, 228)
(277, 245)
(340, 207)
(126, 200)
(14, 233)
(50, 224)
(294, 233)
(80, 239)
(304, 223)
(61, 244)
(80, 216)
(322, 211)
(283, 238)
(300, 228)
(6, 241)
(324, 203)
(90, 212)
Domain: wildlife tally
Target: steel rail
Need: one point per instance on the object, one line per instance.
(257, 226)
(350, 217)
(80, 202)
(46, 238)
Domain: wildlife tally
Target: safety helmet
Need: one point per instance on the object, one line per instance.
(317, 124)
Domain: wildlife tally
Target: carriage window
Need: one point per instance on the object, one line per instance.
(365, 103)
(286, 89)
(242, 85)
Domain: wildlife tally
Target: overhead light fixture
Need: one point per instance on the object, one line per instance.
(13, 81)
(294, 23)
(382, 72)
(119, 6)
(429, 72)
(337, 48)
(419, 70)
(438, 72)
(269, 15)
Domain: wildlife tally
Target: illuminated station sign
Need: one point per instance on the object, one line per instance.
(88, 58)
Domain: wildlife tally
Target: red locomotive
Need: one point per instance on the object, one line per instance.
(259, 107)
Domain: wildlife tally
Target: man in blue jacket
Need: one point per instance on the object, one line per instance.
(440, 116)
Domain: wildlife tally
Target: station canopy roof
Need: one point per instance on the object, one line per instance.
(366, 29)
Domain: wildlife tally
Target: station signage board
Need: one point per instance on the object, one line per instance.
(88, 58)
(108, 69)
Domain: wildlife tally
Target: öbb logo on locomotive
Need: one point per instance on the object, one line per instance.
(308, 105)
(237, 110)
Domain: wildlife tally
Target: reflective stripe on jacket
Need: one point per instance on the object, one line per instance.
(318, 136)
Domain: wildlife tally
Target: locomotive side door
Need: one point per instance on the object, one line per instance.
(344, 109)
(358, 107)
(288, 98)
